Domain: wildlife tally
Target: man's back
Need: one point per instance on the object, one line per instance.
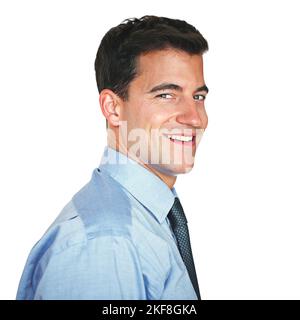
(111, 241)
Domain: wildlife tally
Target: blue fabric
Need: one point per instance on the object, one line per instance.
(111, 241)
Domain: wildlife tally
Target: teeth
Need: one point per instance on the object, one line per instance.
(181, 138)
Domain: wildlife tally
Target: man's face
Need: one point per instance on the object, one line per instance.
(165, 105)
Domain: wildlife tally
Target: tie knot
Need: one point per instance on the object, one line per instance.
(176, 215)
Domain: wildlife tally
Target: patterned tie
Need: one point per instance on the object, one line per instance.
(178, 223)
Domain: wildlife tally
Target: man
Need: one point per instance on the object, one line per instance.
(124, 234)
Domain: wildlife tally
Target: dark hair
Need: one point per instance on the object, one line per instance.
(115, 63)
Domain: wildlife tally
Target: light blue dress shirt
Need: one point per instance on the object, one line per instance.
(111, 241)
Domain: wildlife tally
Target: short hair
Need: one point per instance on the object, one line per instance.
(116, 60)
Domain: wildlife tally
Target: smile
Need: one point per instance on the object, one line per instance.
(183, 140)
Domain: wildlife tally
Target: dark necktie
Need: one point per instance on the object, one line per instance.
(178, 223)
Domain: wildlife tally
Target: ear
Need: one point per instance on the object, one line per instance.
(110, 104)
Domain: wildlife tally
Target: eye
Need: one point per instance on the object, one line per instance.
(164, 96)
(199, 97)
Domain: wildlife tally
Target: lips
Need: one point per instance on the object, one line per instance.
(185, 140)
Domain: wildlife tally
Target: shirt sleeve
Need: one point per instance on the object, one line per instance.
(104, 268)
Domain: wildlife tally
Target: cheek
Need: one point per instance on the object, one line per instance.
(132, 115)
(159, 115)
(146, 115)
(158, 118)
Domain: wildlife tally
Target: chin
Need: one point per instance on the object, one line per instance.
(174, 170)
(184, 169)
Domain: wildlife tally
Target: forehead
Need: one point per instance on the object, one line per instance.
(169, 65)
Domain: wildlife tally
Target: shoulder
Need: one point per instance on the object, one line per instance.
(102, 205)
(100, 208)
(66, 265)
(90, 226)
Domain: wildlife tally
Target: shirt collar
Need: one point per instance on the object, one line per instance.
(142, 184)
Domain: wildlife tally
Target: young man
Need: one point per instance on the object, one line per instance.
(124, 235)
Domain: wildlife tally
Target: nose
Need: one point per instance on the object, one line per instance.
(193, 114)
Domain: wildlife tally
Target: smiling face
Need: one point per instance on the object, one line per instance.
(165, 105)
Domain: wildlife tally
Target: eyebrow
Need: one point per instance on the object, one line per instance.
(173, 86)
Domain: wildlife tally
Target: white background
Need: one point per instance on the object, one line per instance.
(241, 199)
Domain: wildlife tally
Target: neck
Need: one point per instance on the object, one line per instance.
(167, 179)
